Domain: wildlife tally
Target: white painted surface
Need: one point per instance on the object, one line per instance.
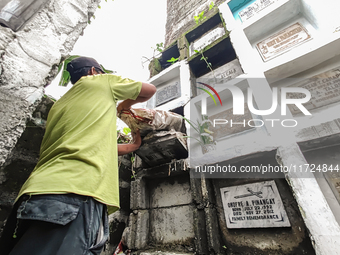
(178, 71)
(319, 219)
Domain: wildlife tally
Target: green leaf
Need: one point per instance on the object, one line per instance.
(126, 130)
(193, 138)
(106, 70)
(196, 128)
(99, 7)
(172, 60)
(196, 51)
(211, 5)
(65, 76)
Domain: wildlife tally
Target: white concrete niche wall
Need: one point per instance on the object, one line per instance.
(320, 20)
(179, 74)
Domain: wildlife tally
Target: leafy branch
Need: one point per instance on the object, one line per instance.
(65, 75)
(159, 47)
(200, 17)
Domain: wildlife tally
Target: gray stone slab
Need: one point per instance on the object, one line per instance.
(162, 147)
(256, 205)
(282, 41)
(170, 192)
(324, 89)
(138, 233)
(173, 224)
(139, 196)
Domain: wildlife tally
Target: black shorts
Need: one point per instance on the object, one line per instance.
(56, 225)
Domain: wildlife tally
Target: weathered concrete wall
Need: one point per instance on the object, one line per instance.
(325, 162)
(23, 157)
(180, 16)
(163, 210)
(29, 60)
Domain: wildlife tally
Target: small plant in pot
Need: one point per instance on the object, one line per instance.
(206, 140)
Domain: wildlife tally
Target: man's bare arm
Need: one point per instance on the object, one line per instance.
(147, 91)
(130, 147)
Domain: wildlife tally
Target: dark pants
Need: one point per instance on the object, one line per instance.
(55, 224)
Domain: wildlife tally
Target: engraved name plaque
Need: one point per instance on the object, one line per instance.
(324, 89)
(168, 93)
(282, 41)
(254, 8)
(256, 205)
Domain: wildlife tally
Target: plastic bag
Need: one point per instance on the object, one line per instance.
(147, 120)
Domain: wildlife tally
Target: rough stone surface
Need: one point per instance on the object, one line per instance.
(23, 157)
(172, 225)
(139, 198)
(172, 191)
(138, 235)
(161, 147)
(29, 60)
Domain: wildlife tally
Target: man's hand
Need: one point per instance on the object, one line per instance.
(136, 138)
(127, 148)
(125, 105)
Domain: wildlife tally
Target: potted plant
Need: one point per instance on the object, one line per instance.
(206, 140)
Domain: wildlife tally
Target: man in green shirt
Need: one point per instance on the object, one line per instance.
(61, 208)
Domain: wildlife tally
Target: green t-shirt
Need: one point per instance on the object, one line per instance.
(78, 153)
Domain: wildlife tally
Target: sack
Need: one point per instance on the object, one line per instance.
(147, 120)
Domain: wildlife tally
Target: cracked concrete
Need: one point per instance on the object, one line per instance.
(29, 61)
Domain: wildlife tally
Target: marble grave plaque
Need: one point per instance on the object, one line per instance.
(168, 93)
(324, 89)
(223, 74)
(282, 41)
(254, 8)
(255, 205)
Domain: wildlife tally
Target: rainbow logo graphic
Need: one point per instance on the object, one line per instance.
(211, 95)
